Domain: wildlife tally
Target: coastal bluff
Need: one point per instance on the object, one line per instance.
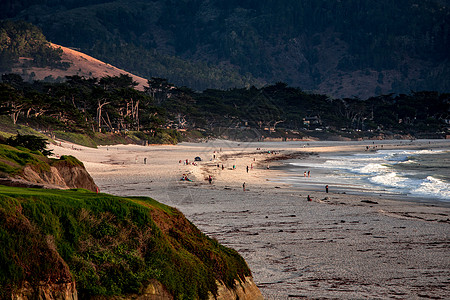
(62, 239)
(20, 167)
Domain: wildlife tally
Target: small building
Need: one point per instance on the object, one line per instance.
(308, 121)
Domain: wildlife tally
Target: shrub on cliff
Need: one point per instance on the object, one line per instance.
(31, 142)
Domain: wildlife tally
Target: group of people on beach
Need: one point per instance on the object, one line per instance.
(185, 178)
(244, 188)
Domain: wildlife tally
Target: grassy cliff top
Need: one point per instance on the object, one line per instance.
(13, 160)
(109, 245)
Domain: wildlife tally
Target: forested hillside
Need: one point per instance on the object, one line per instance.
(23, 40)
(340, 48)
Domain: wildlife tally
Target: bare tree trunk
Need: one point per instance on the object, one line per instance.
(99, 114)
(109, 124)
(136, 114)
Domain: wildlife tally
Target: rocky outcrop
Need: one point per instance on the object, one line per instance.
(60, 174)
(246, 290)
(153, 291)
(46, 291)
(75, 176)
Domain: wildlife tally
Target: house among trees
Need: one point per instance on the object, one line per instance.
(308, 121)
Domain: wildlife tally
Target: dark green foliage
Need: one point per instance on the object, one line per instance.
(31, 142)
(111, 244)
(21, 39)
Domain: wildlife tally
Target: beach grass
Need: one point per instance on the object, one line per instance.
(76, 138)
(111, 245)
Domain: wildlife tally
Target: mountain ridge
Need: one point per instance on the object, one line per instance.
(340, 48)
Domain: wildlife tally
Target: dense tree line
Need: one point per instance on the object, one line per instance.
(112, 104)
(267, 39)
(109, 104)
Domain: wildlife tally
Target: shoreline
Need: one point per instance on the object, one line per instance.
(343, 188)
(336, 246)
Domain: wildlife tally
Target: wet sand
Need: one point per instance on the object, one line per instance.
(338, 245)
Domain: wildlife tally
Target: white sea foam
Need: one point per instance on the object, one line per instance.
(377, 170)
(393, 180)
(372, 169)
(434, 187)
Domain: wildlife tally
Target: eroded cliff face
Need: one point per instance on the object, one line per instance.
(46, 291)
(244, 290)
(60, 175)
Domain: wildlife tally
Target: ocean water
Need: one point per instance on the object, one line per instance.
(421, 174)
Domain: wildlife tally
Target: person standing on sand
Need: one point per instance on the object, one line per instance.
(309, 172)
(243, 186)
(247, 169)
(326, 188)
(210, 179)
(308, 198)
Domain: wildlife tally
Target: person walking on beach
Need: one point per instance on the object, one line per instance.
(247, 169)
(304, 174)
(326, 188)
(145, 160)
(309, 172)
(210, 179)
(308, 198)
(243, 186)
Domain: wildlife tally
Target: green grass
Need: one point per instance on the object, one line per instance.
(112, 245)
(8, 129)
(110, 139)
(70, 160)
(13, 160)
(76, 138)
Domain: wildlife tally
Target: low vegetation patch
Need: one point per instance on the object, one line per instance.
(13, 160)
(76, 138)
(111, 245)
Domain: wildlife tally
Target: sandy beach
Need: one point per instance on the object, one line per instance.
(339, 245)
